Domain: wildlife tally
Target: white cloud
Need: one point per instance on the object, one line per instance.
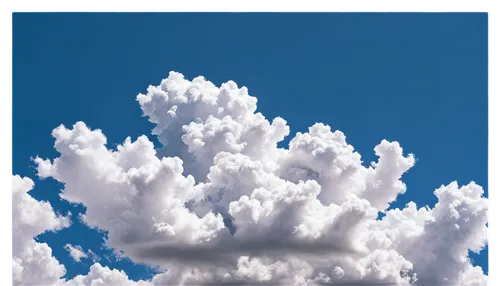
(76, 252)
(99, 275)
(221, 203)
(32, 262)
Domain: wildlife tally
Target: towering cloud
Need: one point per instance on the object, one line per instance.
(220, 202)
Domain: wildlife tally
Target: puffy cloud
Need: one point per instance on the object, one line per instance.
(221, 203)
(196, 120)
(99, 275)
(458, 225)
(76, 252)
(32, 262)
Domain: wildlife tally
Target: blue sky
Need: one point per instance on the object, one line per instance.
(419, 79)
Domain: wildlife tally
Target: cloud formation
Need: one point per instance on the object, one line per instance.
(32, 262)
(76, 252)
(221, 203)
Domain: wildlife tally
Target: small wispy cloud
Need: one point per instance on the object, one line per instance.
(76, 252)
(93, 256)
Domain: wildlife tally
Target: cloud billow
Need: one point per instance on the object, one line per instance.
(221, 203)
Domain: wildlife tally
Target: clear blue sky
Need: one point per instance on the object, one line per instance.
(420, 79)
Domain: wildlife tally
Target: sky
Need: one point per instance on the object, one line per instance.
(419, 79)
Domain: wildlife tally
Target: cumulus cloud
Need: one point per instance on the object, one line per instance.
(221, 203)
(99, 275)
(76, 252)
(32, 262)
